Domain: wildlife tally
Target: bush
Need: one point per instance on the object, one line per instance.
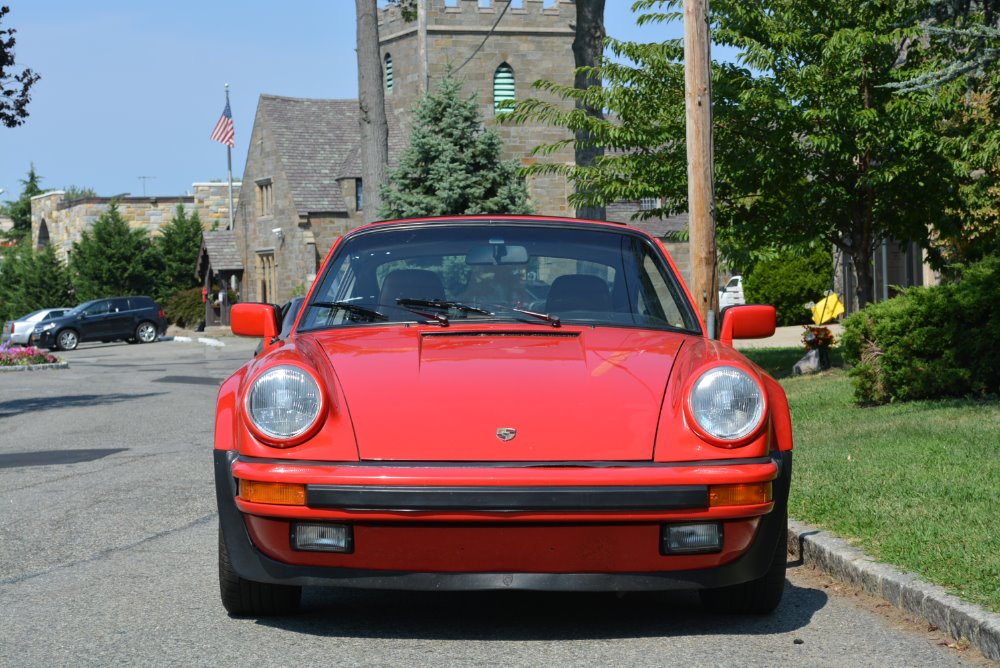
(928, 342)
(788, 282)
(185, 308)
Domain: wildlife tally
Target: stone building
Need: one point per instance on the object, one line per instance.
(58, 222)
(303, 166)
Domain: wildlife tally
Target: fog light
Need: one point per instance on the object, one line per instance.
(692, 538)
(322, 537)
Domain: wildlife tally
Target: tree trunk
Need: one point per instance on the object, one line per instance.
(371, 98)
(588, 46)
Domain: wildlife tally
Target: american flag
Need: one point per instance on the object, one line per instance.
(223, 132)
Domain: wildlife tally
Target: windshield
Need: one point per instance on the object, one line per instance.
(453, 273)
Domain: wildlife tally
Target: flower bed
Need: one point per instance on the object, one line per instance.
(29, 356)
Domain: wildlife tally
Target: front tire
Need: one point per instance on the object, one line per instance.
(246, 598)
(67, 340)
(145, 332)
(756, 597)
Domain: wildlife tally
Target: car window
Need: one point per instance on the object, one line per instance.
(54, 314)
(119, 304)
(497, 272)
(98, 308)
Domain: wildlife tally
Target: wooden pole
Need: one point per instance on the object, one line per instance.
(701, 194)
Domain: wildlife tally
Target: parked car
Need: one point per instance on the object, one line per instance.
(18, 331)
(402, 438)
(731, 294)
(133, 319)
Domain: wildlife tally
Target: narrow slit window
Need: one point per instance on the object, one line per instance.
(388, 73)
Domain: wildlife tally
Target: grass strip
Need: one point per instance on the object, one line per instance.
(914, 484)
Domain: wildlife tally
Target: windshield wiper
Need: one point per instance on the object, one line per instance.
(352, 308)
(442, 303)
(547, 317)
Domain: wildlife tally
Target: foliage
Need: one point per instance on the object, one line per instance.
(78, 192)
(809, 145)
(452, 165)
(19, 211)
(789, 280)
(176, 251)
(32, 280)
(14, 88)
(111, 258)
(18, 356)
(185, 308)
(928, 342)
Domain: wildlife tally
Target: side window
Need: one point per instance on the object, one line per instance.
(656, 297)
(119, 305)
(98, 308)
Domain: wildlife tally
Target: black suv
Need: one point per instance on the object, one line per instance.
(134, 319)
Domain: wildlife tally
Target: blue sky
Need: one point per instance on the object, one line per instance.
(134, 89)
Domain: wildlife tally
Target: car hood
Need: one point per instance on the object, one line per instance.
(489, 394)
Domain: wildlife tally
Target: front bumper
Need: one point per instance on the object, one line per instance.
(500, 533)
(46, 339)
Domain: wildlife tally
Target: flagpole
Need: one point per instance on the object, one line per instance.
(229, 162)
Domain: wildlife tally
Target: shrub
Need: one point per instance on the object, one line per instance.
(16, 356)
(789, 281)
(185, 308)
(928, 342)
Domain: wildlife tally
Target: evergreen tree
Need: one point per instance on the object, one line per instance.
(452, 165)
(19, 210)
(176, 251)
(31, 280)
(112, 259)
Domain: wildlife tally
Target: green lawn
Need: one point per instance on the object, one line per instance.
(916, 485)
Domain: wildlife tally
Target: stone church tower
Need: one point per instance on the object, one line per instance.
(498, 49)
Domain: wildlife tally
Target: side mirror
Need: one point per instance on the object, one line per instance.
(756, 321)
(254, 319)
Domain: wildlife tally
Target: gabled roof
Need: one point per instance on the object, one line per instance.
(318, 143)
(218, 250)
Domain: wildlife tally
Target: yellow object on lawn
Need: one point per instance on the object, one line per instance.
(827, 309)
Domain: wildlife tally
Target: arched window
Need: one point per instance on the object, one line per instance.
(388, 73)
(503, 85)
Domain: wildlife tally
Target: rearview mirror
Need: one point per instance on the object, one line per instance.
(756, 321)
(493, 254)
(254, 319)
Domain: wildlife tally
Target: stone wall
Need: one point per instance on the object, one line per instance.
(535, 41)
(60, 223)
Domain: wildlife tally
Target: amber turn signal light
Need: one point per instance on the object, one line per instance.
(743, 494)
(282, 493)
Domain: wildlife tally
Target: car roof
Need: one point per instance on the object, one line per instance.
(551, 220)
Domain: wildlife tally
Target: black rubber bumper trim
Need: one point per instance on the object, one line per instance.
(510, 499)
(251, 564)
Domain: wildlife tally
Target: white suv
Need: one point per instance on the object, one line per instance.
(731, 294)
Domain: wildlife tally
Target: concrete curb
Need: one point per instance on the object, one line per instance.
(35, 367)
(903, 590)
(204, 340)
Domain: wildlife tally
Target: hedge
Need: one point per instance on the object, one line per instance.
(789, 281)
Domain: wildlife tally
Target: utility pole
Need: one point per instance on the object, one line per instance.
(701, 192)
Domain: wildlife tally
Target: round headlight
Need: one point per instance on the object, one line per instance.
(727, 403)
(284, 402)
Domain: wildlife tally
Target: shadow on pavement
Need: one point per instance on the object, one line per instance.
(36, 404)
(13, 460)
(531, 615)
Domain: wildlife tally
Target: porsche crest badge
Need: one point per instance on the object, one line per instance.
(506, 433)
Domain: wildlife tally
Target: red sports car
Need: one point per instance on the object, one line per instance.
(501, 402)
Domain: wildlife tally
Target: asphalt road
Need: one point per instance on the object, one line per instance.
(108, 557)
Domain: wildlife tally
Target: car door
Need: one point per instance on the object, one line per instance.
(120, 319)
(93, 322)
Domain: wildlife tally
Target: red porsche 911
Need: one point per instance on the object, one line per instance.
(476, 403)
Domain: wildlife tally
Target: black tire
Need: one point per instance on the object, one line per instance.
(146, 332)
(67, 339)
(246, 598)
(756, 597)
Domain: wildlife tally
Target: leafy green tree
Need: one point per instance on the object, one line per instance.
(111, 258)
(14, 88)
(30, 280)
(19, 210)
(453, 164)
(810, 146)
(176, 252)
